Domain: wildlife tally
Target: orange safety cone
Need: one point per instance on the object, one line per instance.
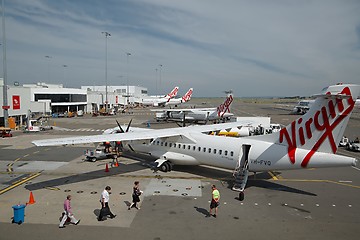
(107, 168)
(31, 199)
(116, 164)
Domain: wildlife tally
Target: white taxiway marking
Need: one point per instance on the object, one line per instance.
(356, 168)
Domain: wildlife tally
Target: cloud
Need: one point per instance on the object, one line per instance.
(256, 48)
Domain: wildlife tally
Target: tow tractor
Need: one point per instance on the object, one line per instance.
(5, 132)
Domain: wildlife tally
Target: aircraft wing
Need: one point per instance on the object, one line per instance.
(141, 135)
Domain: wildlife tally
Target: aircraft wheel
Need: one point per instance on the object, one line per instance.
(169, 166)
(165, 167)
(241, 196)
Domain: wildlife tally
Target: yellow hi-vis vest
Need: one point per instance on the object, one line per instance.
(216, 194)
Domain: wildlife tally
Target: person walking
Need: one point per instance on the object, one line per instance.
(136, 195)
(104, 200)
(68, 213)
(215, 197)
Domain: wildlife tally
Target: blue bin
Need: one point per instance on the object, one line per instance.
(19, 213)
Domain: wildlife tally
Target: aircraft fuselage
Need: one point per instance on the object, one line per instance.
(225, 152)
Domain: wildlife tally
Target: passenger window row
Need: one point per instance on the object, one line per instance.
(188, 147)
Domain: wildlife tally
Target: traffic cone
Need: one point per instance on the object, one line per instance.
(116, 164)
(31, 199)
(107, 168)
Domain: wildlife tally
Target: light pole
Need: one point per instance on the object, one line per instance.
(127, 79)
(106, 84)
(48, 67)
(5, 100)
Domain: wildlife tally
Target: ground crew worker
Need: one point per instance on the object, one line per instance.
(107, 147)
(215, 197)
(118, 147)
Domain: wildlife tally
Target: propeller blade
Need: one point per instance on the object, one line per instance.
(121, 130)
(128, 127)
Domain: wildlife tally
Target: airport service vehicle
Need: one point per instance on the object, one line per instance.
(159, 101)
(100, 153)
(303, 106)
(353, 146)
(39, 124)
(177, 101)
(5, 132)
(203, 115)
(310, 141)
(343, 142)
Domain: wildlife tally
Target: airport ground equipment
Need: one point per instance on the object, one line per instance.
(5, 132)
(101, 152)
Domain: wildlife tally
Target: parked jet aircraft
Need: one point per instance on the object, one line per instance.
(177, 101)
(156, 102)
(198, 114)
(310, 141)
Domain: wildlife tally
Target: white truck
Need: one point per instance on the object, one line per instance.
(39, 124)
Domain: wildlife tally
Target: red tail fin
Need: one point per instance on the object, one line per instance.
(225, 107)
(187, 95)
(173, 93)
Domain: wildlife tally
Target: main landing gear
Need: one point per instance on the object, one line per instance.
(165, 167)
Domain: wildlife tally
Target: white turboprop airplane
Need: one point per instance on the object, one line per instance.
(161, 101)
(198, 114)
(178, 101)
(308, 142)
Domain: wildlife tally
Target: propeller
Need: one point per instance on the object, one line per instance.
(207, 117)
(183, 123)
(128, 127)
(121, 129)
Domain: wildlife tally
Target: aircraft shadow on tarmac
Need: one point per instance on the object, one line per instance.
(86, 176)
(262, 183)
(260, 180)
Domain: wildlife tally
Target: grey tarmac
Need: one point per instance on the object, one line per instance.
(297, 204)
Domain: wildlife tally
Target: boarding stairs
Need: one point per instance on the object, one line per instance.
(241, 171)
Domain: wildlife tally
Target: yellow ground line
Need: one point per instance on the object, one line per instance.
(36, 152)
(53, 188)
(19, 183)
(273, 175)
(9, 169)
(26, 155)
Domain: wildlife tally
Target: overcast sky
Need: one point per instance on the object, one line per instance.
(255, 48)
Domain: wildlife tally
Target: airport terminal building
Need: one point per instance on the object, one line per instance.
(43, 98)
